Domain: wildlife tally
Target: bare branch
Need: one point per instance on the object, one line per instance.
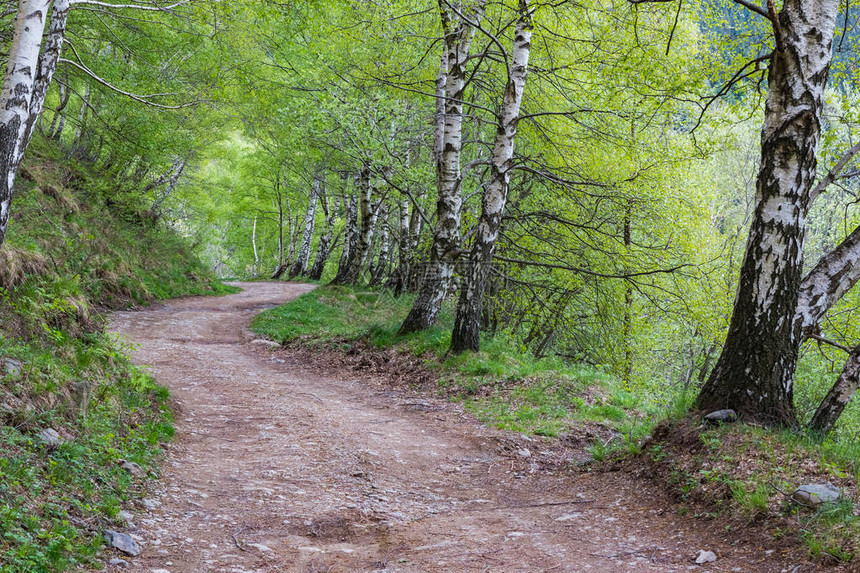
(130, 95)
(752, 7)
(590, 272)
(129, 6)
(834, 172)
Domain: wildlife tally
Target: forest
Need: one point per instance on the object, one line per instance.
(660, 190)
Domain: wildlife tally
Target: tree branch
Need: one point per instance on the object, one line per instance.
(589, 272)
(754, 8)
(129, 6)
(130, 95)
(834, 172)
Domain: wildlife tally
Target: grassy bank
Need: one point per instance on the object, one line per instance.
(78, 245)
(736, 473)
(504, 385)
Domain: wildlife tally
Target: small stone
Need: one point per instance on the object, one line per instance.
(721, 417)
(264, 342)
(260, 547)
(524, 453)
(149, 504)
(51, 438)
(122, 542)
(125, 516)
(133, 468)
(160, 571)
(117, 562)
(12, 367)
(80, 394)
(705, 557)
(816, 494)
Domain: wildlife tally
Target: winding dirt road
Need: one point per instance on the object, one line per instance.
(281, 465)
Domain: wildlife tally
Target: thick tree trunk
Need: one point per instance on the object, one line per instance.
(300, 265)
(23, 92)
(47, 64)
(754, 374)
(824, 419)
(467, 325)
(324, 247)
(446, 235)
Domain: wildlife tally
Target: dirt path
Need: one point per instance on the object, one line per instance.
(281, 467)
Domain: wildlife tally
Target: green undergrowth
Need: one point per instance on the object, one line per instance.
(504, 384)
(77, 245)
(748, 473)
(735, 473)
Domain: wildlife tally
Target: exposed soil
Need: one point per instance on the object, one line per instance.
(287, 464)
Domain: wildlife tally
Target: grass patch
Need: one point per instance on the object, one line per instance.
(504, 385)
(749, 472)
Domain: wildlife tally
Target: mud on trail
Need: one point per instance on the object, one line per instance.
(284, 465)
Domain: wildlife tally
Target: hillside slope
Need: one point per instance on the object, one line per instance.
(72, 407)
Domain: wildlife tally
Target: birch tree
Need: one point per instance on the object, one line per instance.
(777, 307)
(325, 245)
(300, 265)
(29, 71)
(467, 326)
(458, 28)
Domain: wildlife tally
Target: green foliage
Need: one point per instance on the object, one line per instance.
(71, 252)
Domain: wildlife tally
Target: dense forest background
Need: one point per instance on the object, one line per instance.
(595, 208)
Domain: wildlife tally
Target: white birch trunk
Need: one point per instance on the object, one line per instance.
(19, 87)
(369, 213)
(467, 326)
(350, 240)
(384, 247)
(58, 121)
(300, 265)
(446, 235)
(254, 246)
(755, 372)
(824, 419)
(324, 247)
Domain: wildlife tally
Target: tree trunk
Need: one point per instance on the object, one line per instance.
(179, 165)
(384, 247)
(416, 224)
(59, 120)
(834, 403)
(350, 240)
(404, 252)
(82, 120)
(254, 246)
(24, 88)
(300, 266)
(754, 374)
(446, 235)
(324, 246)
(358, 254)
(47, 64)
(467, 325)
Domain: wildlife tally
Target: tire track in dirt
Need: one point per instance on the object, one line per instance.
(280, 466)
